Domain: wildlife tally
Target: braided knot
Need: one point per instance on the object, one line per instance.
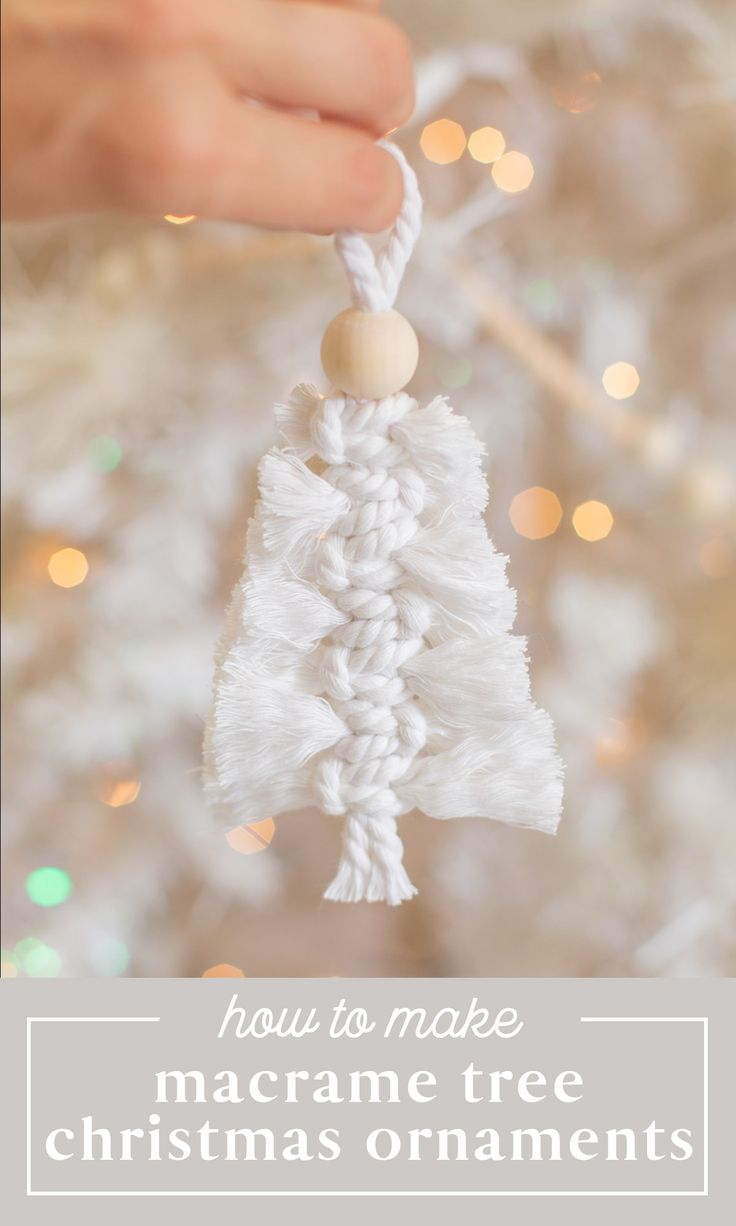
(357, 567)
(360, 668)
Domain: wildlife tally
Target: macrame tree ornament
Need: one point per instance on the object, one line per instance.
(368, 665)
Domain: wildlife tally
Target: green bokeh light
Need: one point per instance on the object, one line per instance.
(24, 948)
(456, 372)
(110, 957)
(541, 297)
(43, 962)
(598, 271)
(105, 453)
(48, 886)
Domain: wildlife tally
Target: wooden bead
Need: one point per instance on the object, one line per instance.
(369, 354)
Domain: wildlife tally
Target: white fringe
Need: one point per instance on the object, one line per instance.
(510, 773)
(297, 506)
(455, 564)
(367, 665)
(285, 608)
(294, 419)
(447, 453)
(460, 694)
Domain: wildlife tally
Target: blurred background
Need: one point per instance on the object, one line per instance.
(575, 295)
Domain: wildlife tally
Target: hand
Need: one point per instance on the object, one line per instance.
(189, 106)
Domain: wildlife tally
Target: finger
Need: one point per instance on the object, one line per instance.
(282, 171)
(339, 60)
(366, 4)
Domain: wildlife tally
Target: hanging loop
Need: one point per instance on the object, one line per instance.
(375, 280)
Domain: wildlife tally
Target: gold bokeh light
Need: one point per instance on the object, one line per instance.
(443, 141)
(119, 792)
(513, 172)
(536, 513)
(592, 520)
(486, 145)
(68, 567)
(716, 557)
(622, 741)
(248, 840)
(620, 380)
(579, 96)
(223, 970)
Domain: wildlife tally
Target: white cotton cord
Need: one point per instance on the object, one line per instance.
(368, 665)
(360, 667)
(356, 567)
(374, 281)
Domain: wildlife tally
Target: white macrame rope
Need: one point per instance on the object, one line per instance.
(368, 663)
(361, 662)
(361, 666)
(374, 281)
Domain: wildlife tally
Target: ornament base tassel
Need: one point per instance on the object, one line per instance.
(371, 865)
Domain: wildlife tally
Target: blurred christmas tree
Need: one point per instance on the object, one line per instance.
(574, 294)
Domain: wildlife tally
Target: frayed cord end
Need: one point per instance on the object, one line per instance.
(352, 884)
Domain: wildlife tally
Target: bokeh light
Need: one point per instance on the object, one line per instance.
(716, 557)
(42, 962)
(710, 488)
(24, 948)
(223, 970)
(536, 513)
(542, 297)
(513, 172)
(177, 219)
(110, 957)
(622, 741)
(119, 792)
(442, 141)
(581, 95)
(620, 380)
(486, 145)
(48, 886)
(8, 965)
(592, 520)
(456, 372)
(598, 271)
(68, 567)
(105, 452)
(251, 839)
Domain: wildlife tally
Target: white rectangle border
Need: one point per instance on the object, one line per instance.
(373, 1192)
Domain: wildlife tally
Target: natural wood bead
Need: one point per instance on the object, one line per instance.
(369, 354)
